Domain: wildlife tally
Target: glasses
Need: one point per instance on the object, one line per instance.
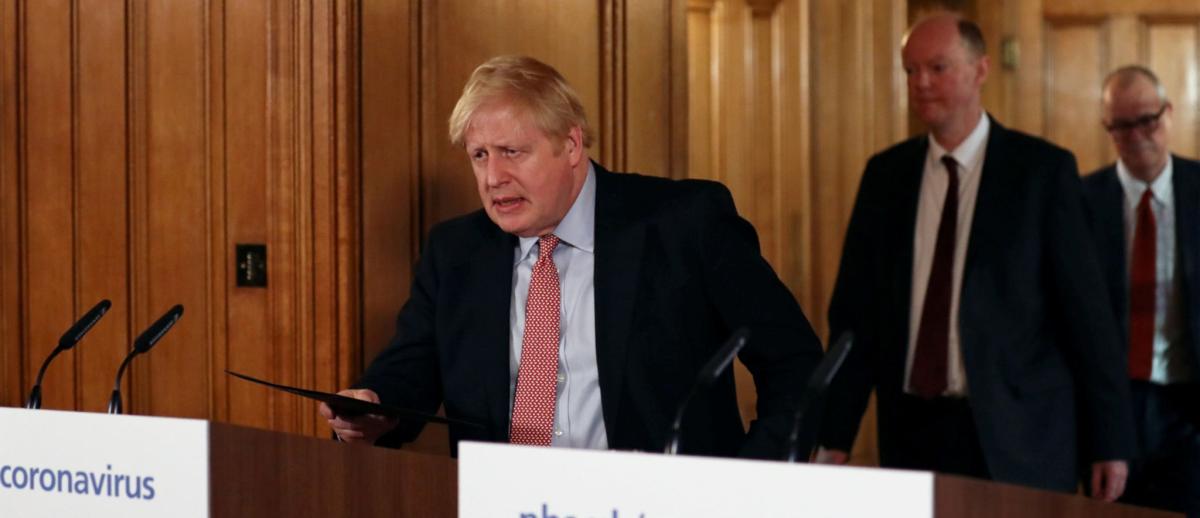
(1147, 123)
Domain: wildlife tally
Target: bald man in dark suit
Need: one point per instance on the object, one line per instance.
(975, 296)
(1146, 218)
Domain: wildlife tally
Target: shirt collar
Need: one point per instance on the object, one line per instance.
(578, 227)
(1162, 187)
(969, 153)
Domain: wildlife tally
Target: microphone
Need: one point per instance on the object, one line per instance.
(142, 344)
(67, 341)
(708, 374)
(818, 383)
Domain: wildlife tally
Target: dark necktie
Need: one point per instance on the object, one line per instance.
(537, 375)
(928, 376)
(1142, 281)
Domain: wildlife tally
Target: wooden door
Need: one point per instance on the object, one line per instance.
(1067, 47)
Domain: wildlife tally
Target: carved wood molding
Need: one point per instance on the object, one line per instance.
(702, 6)
(10, 292)
(613, 120)
(762, 7)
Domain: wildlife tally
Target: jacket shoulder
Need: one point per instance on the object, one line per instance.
(901, 151)
(1099, 177)
(462, 236)
(1186, 165)
(1031, 147)
(653, 194)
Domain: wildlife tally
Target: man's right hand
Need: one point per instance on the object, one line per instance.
(363, 429)
(825, 456)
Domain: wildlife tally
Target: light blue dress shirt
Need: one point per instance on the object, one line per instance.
(578, 415)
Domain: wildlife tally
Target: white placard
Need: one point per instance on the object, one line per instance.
(498, 480)
(56, 464)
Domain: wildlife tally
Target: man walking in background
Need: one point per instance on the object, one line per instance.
(1146, 218)
(975, 296)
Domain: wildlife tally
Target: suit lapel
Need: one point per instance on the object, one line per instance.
(490, 274)
(1187, 193)
(619, 243)
(986, 199)
(908, 195)
(1109, 215)
(993, 201)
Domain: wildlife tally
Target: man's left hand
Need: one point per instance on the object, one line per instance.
(1108, 479)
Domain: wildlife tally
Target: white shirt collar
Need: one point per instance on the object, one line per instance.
(969, 153)
(1162, 187)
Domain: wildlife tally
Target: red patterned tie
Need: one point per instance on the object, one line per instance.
(928, 376)
(1142, 283)
(537, 376)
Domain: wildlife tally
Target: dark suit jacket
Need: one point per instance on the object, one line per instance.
(1106, 199)
(676, 271)
(1038, 341)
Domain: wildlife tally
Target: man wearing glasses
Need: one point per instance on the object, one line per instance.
(1146, 221)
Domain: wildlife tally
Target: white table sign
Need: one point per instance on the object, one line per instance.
(497, 480)
(58, 464)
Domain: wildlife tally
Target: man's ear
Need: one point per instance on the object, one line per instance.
(573, 146)
(981, 69)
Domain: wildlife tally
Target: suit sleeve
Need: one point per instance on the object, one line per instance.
(782, 349)
(406, 373)
(1089, 333)
(848, 309)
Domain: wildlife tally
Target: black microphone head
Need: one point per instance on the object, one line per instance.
(813, 397)
(823, 375)
(83, 325)
(724, 356)
(708, 374)
(156, 330)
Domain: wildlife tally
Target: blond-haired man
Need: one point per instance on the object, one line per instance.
(577, 306)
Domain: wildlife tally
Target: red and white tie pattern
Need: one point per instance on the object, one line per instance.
(537, 375)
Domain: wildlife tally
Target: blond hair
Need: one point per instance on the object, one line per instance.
(529, 83)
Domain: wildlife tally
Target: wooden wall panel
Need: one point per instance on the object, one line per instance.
(170, 212)
(1171, 51)
(335, 338)
(218, 121)
(49, 191)
(1045, 93)
(1025, 90)
(845, 69)
(730, 73)
(141, 141)
(764, 170)
(12, 348)
(1075, 66)
(793, 128)
(290, 197)
(655, 71)
(250, 188)
(390, 165)
(102, 227)
(701, 108)
(1060, 8)
(764, 120)
(1126, 40)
